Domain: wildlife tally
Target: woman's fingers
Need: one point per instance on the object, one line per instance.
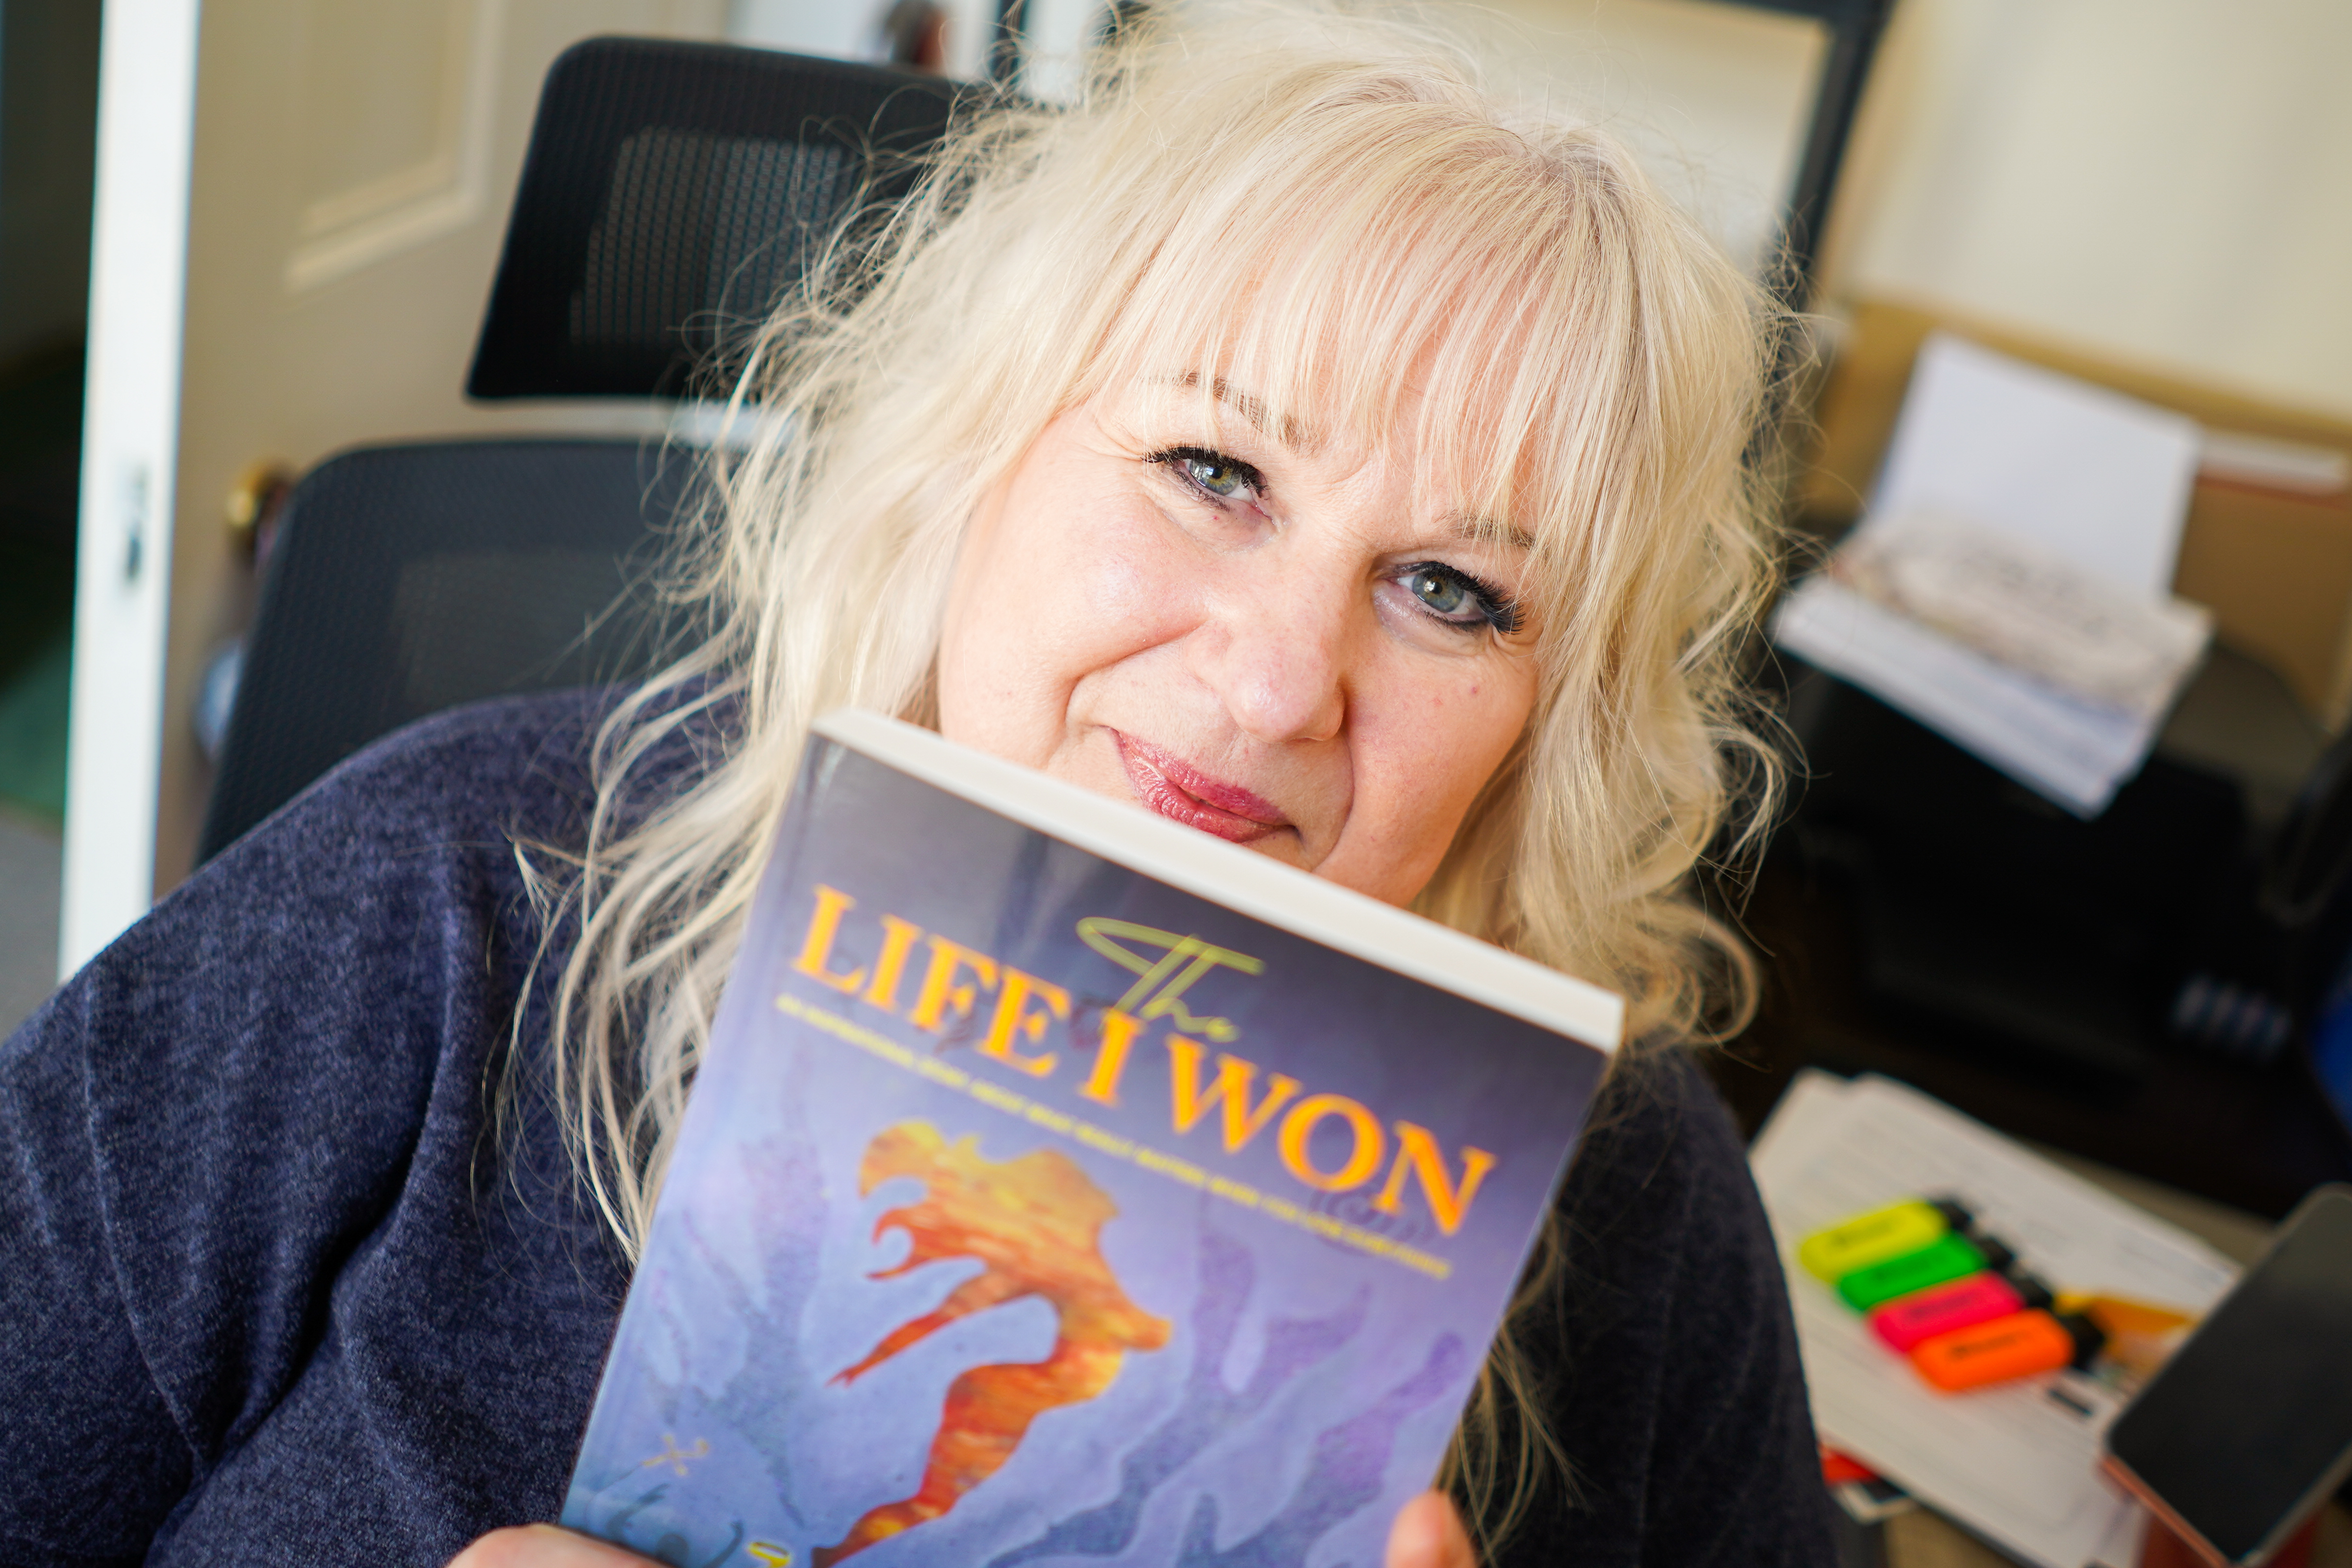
(1428, 1534)
(544, 1546)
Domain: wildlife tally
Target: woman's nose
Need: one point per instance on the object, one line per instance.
(1274, 652)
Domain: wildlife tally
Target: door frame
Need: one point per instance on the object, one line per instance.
(138, 281)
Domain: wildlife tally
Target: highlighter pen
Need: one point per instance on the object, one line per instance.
(2015, 1346)
(1907, 1320)
(1946, 1257)
(1873, 1238)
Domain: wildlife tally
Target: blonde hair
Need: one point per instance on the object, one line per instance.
(1329, 211)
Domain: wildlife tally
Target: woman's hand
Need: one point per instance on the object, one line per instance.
(545, 1546)
(1427, 1534)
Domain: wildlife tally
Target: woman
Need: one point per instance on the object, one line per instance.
(1280, 440)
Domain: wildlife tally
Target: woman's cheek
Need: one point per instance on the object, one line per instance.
(1135, 588)
(1422, 757)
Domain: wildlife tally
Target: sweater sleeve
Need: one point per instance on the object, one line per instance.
(1665, 1357)
(192, 1148)
(201, 1131)
(93, 1457)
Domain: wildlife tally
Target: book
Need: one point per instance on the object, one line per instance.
(1063, 1185)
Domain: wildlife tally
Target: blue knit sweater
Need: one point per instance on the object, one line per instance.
(273, 1289)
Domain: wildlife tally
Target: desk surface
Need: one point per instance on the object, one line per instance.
(2216, 1149)
(1923, 1540)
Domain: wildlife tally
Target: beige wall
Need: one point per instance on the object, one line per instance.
(2165, 181)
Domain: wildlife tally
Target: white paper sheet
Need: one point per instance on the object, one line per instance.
(2011, 1462)
(2095, 476)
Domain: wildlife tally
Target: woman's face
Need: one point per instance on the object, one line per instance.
(1257, 632)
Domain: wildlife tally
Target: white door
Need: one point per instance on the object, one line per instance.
(329, 179)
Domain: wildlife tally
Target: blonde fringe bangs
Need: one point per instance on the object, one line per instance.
(1326, 214)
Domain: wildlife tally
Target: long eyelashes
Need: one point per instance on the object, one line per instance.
(1431, 582)
(1441, 592)
(1205, 470)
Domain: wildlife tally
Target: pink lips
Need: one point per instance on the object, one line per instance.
(1176, 789)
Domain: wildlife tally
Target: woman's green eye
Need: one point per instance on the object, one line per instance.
(1209, 472)
(1441, 591)
(1220, 478)
(1459, 599)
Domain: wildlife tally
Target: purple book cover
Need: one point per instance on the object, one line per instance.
(1064, 1185)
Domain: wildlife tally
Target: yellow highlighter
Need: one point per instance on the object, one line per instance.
(1867, 1239)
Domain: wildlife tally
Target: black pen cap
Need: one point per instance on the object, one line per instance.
(1997, 1255)
(2035, 1294)
(1957, 1215)
(2089, 1338)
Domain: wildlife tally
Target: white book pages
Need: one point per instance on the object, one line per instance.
(2016, 1463)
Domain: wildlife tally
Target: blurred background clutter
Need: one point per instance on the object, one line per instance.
(48, 109)
(347, 353)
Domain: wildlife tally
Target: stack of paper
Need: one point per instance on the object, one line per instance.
(2016, 1463)
(2075, 473)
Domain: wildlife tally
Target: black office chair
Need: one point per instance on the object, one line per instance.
(409, 579)
(670, 190)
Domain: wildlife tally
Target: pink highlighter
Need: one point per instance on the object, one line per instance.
(1980, 1297)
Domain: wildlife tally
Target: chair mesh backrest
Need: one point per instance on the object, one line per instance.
(673, 189)
(409, 579)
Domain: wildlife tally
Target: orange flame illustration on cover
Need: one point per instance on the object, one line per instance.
(1036, 1223)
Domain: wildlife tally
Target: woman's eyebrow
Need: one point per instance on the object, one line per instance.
(1490, 530)
(1288, 433)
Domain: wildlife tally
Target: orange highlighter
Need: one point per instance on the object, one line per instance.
(2019, 1345)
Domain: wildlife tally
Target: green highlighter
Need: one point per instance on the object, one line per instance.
(1946, 1257)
